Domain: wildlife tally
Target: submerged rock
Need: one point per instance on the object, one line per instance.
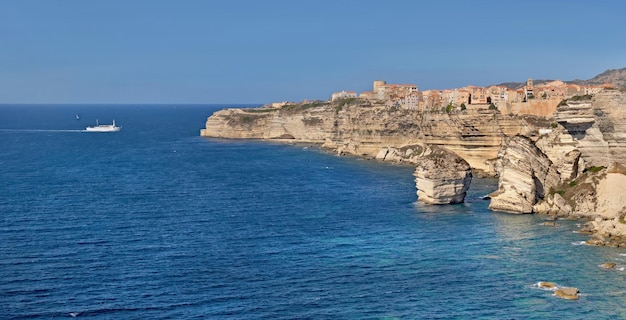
(546, 285)
(567, 293)
(442, 177)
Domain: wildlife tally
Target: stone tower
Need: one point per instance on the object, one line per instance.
(378, 84)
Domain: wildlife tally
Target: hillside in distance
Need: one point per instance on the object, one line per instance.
(616, 77)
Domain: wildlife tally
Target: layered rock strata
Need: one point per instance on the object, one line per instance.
(588, 148)
(442, 177)
(525, 176)
(586, 132)
(594, 125)
(363, 129)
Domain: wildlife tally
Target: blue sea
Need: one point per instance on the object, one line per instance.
(156, 222)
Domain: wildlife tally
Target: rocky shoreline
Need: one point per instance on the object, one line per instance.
(571, 165)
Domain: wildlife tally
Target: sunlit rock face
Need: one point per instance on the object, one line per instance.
(591, 134)
(525, 176)
(596, 126)
(363, 128)
(599, 196)
(442, 177)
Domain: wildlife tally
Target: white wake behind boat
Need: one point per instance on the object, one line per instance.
(103, 127)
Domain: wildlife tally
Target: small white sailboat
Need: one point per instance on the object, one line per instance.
(103, 127)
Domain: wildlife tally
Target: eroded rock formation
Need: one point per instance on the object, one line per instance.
(525, 176)
(593, 125)
(589, 150)
(536, 167)
(442, 177)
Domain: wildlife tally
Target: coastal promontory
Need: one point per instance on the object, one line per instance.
(363, 128)
(560, 152)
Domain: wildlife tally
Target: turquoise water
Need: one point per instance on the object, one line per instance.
(155, 222)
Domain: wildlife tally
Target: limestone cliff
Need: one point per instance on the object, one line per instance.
(598, 192)
(589, 145)
(362, 128)
(543, 156)
(594, 125)
(525, 176)
(591, 132)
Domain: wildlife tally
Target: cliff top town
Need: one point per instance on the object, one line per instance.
(534, 99)
(556, 148)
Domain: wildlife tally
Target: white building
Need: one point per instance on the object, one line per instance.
(343, 95)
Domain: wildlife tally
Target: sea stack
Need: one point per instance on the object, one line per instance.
(442, 177)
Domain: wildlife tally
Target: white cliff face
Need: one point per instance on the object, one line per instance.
(525, 176)
(612, 195)
(596, 126)
(592, 129)
(591, 133)
(442, 177)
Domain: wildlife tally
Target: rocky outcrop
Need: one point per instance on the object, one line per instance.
(595, 126)
(408, 154)
(569, 293)
(602, 198)
(599, 194)
(525, 177)
(569, 166)
(554, 205)
(547, 176)
(442, 177)
(546, 285)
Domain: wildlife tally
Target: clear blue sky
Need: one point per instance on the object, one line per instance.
(258, 51)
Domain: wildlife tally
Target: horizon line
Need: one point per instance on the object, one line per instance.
(122, 103)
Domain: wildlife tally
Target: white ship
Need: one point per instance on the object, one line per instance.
(103, 127)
